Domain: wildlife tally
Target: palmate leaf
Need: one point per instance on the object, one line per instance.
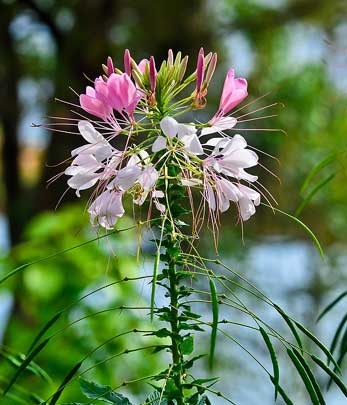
(102, 392)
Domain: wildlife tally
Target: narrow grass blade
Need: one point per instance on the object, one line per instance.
(283, 394)
(291, 326)
(316, 169)
(305, 378)
(310, 375)
(324, 349)
(331, 305)
(337, 334)
(276, 370)
(44, 329)
(312, 193)
(68, 377)
(305, 227)
(215, 313)
(337, 380)
(25, 364)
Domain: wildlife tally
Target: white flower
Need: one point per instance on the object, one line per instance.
(127, 177)
(106, 209)
(230, 157)
(87, 167)
(247, 202)
(226, 191)
(97, 145)
(84, 172)
(147, 180)
(185, 133)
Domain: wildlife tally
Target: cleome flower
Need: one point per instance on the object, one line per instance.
(133, 137)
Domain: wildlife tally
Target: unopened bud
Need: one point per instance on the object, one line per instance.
(183, 69)
(110, 67)
(210, 70)
(152, 74)
(170, 58)
(127, 62)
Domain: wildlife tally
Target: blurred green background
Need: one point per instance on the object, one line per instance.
(295, 50)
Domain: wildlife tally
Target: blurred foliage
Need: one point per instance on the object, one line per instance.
(50, 285)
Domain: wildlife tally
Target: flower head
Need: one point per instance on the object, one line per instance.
(138, 109)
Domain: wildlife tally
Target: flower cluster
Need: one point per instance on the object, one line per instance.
(132, 134)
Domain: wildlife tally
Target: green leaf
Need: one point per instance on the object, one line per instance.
(187, 346)
(337, 380)
(273, 356)
(331, 305)
(102, 392)
(305, 378)
(310, 375)
(215, 310)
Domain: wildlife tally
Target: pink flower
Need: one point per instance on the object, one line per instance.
(234, 91)
(106, 209)
(122, 93)
(92, 103)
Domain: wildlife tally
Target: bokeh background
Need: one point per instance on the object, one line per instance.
(294, 51)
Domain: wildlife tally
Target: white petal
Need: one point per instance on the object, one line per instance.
(89, 133)
(159, 144)
(191, 182)
(193, 144)
(169, 126)
(183, 130)
(219, 126)
(209, 195)
(148, 178)
(127, 177)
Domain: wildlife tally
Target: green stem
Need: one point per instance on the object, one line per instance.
(177, 357)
